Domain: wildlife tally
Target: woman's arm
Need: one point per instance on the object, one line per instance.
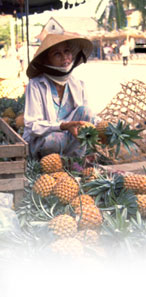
(36, 115)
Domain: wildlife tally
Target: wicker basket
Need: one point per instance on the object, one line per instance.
(129, 105)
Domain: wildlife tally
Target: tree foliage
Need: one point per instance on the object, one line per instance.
(5, 34)
(114, 13)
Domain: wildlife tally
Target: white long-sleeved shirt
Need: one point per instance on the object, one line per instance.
(124, 50)
(40, 116)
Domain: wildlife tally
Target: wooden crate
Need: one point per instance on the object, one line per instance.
(13, 163)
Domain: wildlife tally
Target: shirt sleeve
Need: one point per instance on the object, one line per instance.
(35, 117)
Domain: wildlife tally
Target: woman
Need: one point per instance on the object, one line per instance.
(56, 103)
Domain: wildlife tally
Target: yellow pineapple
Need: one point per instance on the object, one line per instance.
(19, 120)
(44, 185)
(67, 247)
(101, 128)
(86, 125)
(136, 183)
(89, 216)
(66, 189)
(59, 175)
(90, 173)
(8, 112)
(141, 200)
(63, 226)
(7, 120)
(51, 163)
(82, 200)
(87, 236)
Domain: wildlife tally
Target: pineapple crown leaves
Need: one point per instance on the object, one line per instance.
(125, 199)
(117, 223)
(122, 134)
(88, 136)
(132, 231)
(139, 224)
(118, 229)
(103, 187)
(33, 170)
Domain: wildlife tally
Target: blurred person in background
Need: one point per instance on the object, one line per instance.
(125, 52)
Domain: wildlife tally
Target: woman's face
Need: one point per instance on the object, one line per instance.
(59, 55)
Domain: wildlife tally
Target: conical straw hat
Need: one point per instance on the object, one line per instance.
(77, 44)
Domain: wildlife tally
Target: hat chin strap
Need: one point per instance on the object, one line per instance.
(55, 72)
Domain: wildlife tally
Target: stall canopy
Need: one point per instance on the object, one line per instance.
(9, 6)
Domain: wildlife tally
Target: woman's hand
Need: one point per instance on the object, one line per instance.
(72, 127)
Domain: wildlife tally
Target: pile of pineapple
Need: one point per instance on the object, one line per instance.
(12, 112)
(87, 209)
(79, 206)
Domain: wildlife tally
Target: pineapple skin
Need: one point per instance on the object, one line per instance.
(136, 183)
(66, 190)
(8, 112)
(44, 185)
(19, 120)
(141, 201)
(83, 200)
(87, 236)
(63, 226)
(90, 216)
(51, 163)
(59, 175)
(90, 173)
(67, 247)
(7, 120)
(101, 128)
(86, 125)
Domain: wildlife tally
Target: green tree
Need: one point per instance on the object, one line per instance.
(113, 16)
(5, 35)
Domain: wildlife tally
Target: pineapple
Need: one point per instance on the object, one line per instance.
(19, 120)
(67, 247)
(88, 135)
(86, 125)
(44, 185)
(59, 175)
(90, 173)
(114, 189)
(66, 190)
(141, 200)
(63, 225)
(89, 216)
(7, 120)
(87, 236)
(136, 183)
(101, 128)
(8, 112)
(51, 163)
(82, 200)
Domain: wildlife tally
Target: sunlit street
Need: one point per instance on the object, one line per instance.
(103, 79)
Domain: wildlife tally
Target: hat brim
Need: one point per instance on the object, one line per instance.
(77, 44)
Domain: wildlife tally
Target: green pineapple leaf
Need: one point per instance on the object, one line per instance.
(122, 134)
(88, 137)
